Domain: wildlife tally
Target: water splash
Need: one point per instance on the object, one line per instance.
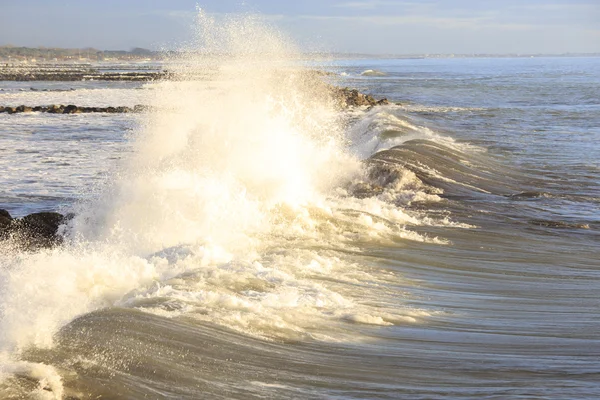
(230, 209)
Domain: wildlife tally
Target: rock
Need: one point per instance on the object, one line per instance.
(5, 223)
(38, 229)
(2, 109)
(4, 214)
(38, 109)
(111, 110)
(353, 98)
(55, 109)
(23, 109)
(71, 109)
(10, 110)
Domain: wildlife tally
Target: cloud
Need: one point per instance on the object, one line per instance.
(473, 23)
(562, 7)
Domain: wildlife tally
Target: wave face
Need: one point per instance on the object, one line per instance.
(251, 240)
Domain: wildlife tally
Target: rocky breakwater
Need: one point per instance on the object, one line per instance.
(34, 231)
(344, 97)
(73, 73)
(353, 98)
(71, 109)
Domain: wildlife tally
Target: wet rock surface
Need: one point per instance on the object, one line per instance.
(33, 231)
(353, 98)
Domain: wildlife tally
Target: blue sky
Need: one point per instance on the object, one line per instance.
(364, 26)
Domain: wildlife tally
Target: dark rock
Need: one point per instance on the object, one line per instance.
(5, 223)
(10, 110)
(2, 109)
(111, 110)
(71, 109)
(23, 109)
(38, 229)
(33, 231)
(353, 98)
(55, 109)
(38, 109)
(383, 102)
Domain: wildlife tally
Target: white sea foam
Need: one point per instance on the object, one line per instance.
(49, 382)
(85, 97)
(373, 72)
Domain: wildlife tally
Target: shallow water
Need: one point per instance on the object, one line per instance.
(256, 247)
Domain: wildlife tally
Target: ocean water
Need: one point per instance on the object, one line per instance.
(250, 240)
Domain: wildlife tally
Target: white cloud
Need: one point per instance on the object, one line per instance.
(473, 23)
(566, 7)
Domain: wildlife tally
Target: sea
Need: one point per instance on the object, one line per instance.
(245, 238)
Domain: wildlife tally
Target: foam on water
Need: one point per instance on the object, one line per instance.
(373, 72)
(83, 96)
(383, 128)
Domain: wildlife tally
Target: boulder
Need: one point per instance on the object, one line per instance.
(44, 224)
(37, 230)
(2, 108)
(55, 109)
(23, 109)
(353, 98)
(5, 223)
(10, 110)
(71, 109)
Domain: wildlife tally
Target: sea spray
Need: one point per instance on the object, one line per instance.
(232, 209)
(241, 131)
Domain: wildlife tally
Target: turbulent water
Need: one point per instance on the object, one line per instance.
(249, 239)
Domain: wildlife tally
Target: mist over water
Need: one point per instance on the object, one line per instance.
(254, 240)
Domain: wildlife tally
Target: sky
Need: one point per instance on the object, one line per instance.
(347, 26)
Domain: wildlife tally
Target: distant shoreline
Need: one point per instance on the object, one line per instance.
(41, 55)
